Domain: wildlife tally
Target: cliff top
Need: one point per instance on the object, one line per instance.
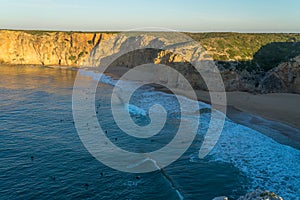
(222, 46)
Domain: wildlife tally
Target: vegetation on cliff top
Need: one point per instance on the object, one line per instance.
(240, 46)
(250, 50)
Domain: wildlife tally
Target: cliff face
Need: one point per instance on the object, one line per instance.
(47, 48)
(284, 78)
(247, 61)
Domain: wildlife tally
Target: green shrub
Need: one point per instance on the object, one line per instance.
(72, 58)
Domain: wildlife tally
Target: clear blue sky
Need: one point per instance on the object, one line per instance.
(185, 15)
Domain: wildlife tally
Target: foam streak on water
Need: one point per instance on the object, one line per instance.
(268, 164)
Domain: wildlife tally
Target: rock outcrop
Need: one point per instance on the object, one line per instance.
(257, 194)
(261, 195)
(284, 78)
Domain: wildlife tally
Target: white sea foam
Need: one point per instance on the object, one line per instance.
(179, 195)
(148, 96)
(98, 77)
(135, 110)
(269, 165)
(143, 161)
(132, 183)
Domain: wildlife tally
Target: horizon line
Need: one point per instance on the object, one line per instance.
(181, 31)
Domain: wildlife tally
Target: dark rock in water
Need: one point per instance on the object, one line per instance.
(32, 158)
(255, 195)
(261, 195)
(138, 177)
(101, 174)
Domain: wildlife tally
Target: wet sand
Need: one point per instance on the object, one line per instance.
(277, 115)
(281, 107)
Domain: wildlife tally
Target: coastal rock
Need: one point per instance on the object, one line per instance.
(260, 195)
(257, 194)
(284, 78)
(272, 83)
(296, 85)
(232, 80)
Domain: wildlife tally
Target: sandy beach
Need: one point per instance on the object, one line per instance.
(281, 107)
(277, 115)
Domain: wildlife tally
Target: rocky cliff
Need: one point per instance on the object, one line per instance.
(248, 62)
(47, 48)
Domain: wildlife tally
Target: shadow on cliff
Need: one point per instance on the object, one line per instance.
(266, 58)
(250, 76)
(259, 74)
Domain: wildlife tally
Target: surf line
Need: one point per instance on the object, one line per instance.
(108, 80)
(163, 173)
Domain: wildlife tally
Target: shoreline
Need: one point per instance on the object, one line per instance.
(282, 128)
(276, 115)
(279, 130)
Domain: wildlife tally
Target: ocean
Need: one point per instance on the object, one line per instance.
(42, 156)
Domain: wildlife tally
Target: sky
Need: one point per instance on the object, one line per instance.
(180, 15)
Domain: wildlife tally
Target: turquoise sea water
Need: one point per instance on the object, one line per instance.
(42, 157)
